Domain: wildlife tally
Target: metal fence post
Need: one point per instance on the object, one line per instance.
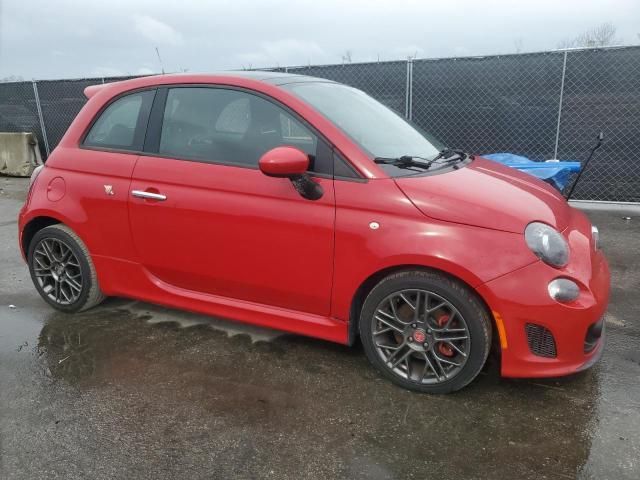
(41, 118)
(409, 90)
(564, 71)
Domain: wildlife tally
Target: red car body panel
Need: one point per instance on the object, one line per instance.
(258, 224)
(521, 297)
(407, 238)
(483, 194)
(278, 260)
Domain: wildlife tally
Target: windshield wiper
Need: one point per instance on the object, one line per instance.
(448, 153)
(405, 161)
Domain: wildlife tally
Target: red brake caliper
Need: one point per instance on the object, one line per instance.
(444, 348)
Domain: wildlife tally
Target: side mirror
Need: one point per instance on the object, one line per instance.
(291, 163)
(284, 162)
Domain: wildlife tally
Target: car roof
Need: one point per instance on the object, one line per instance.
(265, 77)
(275, 78)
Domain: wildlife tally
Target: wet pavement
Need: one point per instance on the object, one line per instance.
(132, 390)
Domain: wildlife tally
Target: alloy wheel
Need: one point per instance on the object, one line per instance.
(421, 336)
(57, 271)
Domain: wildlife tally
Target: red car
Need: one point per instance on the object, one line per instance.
(304, 205)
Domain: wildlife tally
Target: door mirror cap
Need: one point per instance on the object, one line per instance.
(284, 162)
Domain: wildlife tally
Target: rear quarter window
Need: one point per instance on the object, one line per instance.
(122, 124)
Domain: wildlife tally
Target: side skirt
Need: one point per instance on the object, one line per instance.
(128, 279)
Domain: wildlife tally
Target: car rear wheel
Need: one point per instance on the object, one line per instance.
(62, 270)
(425, 331)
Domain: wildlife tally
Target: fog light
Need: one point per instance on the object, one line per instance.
(563, 290)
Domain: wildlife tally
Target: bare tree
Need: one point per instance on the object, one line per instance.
(601, 36)
(518, 43)
(412, 57)
(347, 56)
(12, 78)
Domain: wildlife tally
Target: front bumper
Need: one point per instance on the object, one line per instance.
(521, 299)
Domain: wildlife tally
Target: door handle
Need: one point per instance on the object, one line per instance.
(148, 195)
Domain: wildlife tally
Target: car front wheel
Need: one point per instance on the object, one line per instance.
(62, 270)
(425, 331)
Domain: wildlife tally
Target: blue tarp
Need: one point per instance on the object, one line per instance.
(555, 172)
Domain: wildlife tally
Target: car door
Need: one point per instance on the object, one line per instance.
(205, 218)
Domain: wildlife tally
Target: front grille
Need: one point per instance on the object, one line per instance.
(540, 340)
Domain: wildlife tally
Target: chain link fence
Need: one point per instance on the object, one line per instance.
(385, 81)
(541, 105)
(493, 104)
(602, 93)
(19, 111)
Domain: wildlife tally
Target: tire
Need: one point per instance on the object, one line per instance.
(62, 270)
(437, 352)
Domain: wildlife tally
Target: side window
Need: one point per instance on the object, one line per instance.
(228, 126)
(121, 125)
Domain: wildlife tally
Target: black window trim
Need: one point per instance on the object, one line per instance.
(354, 177)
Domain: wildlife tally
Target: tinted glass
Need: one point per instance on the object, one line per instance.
(227, 126)
(120, 125)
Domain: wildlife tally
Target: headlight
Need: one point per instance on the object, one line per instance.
(547, 243)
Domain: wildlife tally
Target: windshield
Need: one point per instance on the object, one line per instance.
(377, 129)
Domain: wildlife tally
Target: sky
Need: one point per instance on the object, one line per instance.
(42, 39)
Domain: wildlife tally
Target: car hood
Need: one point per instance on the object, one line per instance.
(487, 194)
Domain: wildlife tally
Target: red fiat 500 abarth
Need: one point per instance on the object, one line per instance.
(305, 205)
